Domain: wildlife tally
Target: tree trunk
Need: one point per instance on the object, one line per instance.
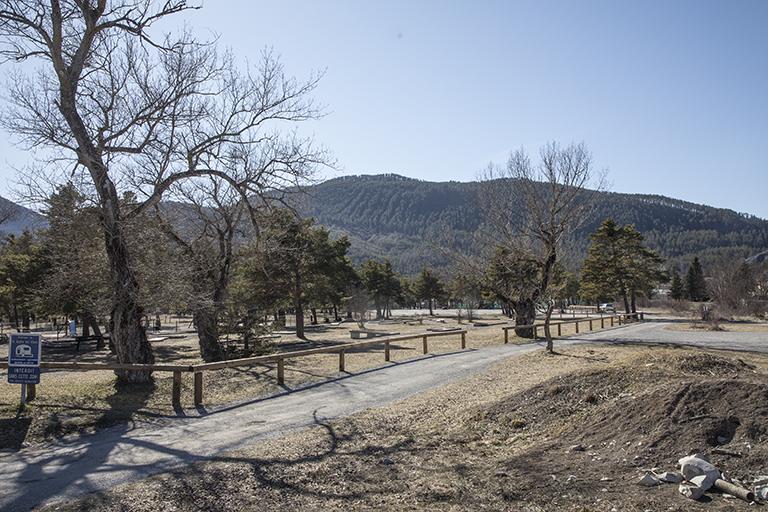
(633, 305)
(626, 301)
(207, 327)
(313, 313)
(525, 314)
(547, 331)
(298, 307)
(90, 321)
(16, 317)
(431, 312)
(129, 339)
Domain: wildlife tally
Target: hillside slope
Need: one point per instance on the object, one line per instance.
(15, 219)
(390, 216)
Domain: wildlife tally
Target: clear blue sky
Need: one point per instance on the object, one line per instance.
(672, 97)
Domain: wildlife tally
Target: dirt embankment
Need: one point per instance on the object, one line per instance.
(648, 413)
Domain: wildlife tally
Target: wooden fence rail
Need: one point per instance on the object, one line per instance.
(279, 359)
(613, 318)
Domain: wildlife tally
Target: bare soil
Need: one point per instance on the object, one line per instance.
(500, 441)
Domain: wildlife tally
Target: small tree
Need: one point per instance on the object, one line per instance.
(618, 264)
(695, 283)
(677, 288)
(429, 288)
(22, 268)
(382, 283)
(304, 261)
(466, 291)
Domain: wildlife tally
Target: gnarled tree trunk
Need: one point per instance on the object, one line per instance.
(207, 327)
(525, 315)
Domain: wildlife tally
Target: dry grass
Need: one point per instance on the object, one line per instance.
(495, 441)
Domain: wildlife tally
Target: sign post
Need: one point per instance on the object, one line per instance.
(24, 361)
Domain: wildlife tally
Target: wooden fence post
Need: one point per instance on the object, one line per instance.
(590, 325)
(463, 340)
(559, 330)
(198, 388)
(341, 361)
(176, 392)
(424, 343)
(602, 323)
(281, 371)
(506, 336)
(535, 332)
(619, 319)
(611, 321)
(386, 351)
(642, 315)
(577, 327)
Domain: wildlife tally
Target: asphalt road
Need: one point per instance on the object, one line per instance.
(34, 476)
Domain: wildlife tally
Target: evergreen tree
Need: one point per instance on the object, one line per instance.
(677, 288)
(305, 263)
(428, 287)
(382, 284)
(695, 284)
(22, 267)
(618, 263)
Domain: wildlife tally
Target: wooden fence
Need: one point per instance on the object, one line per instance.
(612, 319)
(279, 358)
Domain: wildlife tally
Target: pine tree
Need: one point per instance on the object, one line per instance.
(429, 288)
(677, 288)
(618, 263)
(695, 284)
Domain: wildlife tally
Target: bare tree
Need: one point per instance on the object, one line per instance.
(136, 113)
(557, 194)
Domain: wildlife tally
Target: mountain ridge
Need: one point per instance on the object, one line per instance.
(389, 216)
(393, 216)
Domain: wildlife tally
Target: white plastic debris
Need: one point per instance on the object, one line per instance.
(693, 492)
(761, 492)
(649, 480)
(670, 477)
(704, 482)
(696, 465)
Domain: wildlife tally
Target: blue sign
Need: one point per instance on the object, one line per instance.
(24, 350)
(23, 375)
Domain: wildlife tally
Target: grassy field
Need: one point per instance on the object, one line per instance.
(71, 403)
(499, 441)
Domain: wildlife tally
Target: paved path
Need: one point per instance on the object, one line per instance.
(659, 332)
(34, 476)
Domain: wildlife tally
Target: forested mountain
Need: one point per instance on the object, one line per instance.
(390, 216)
(406, 220)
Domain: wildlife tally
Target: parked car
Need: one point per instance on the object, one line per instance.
(606, 308)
